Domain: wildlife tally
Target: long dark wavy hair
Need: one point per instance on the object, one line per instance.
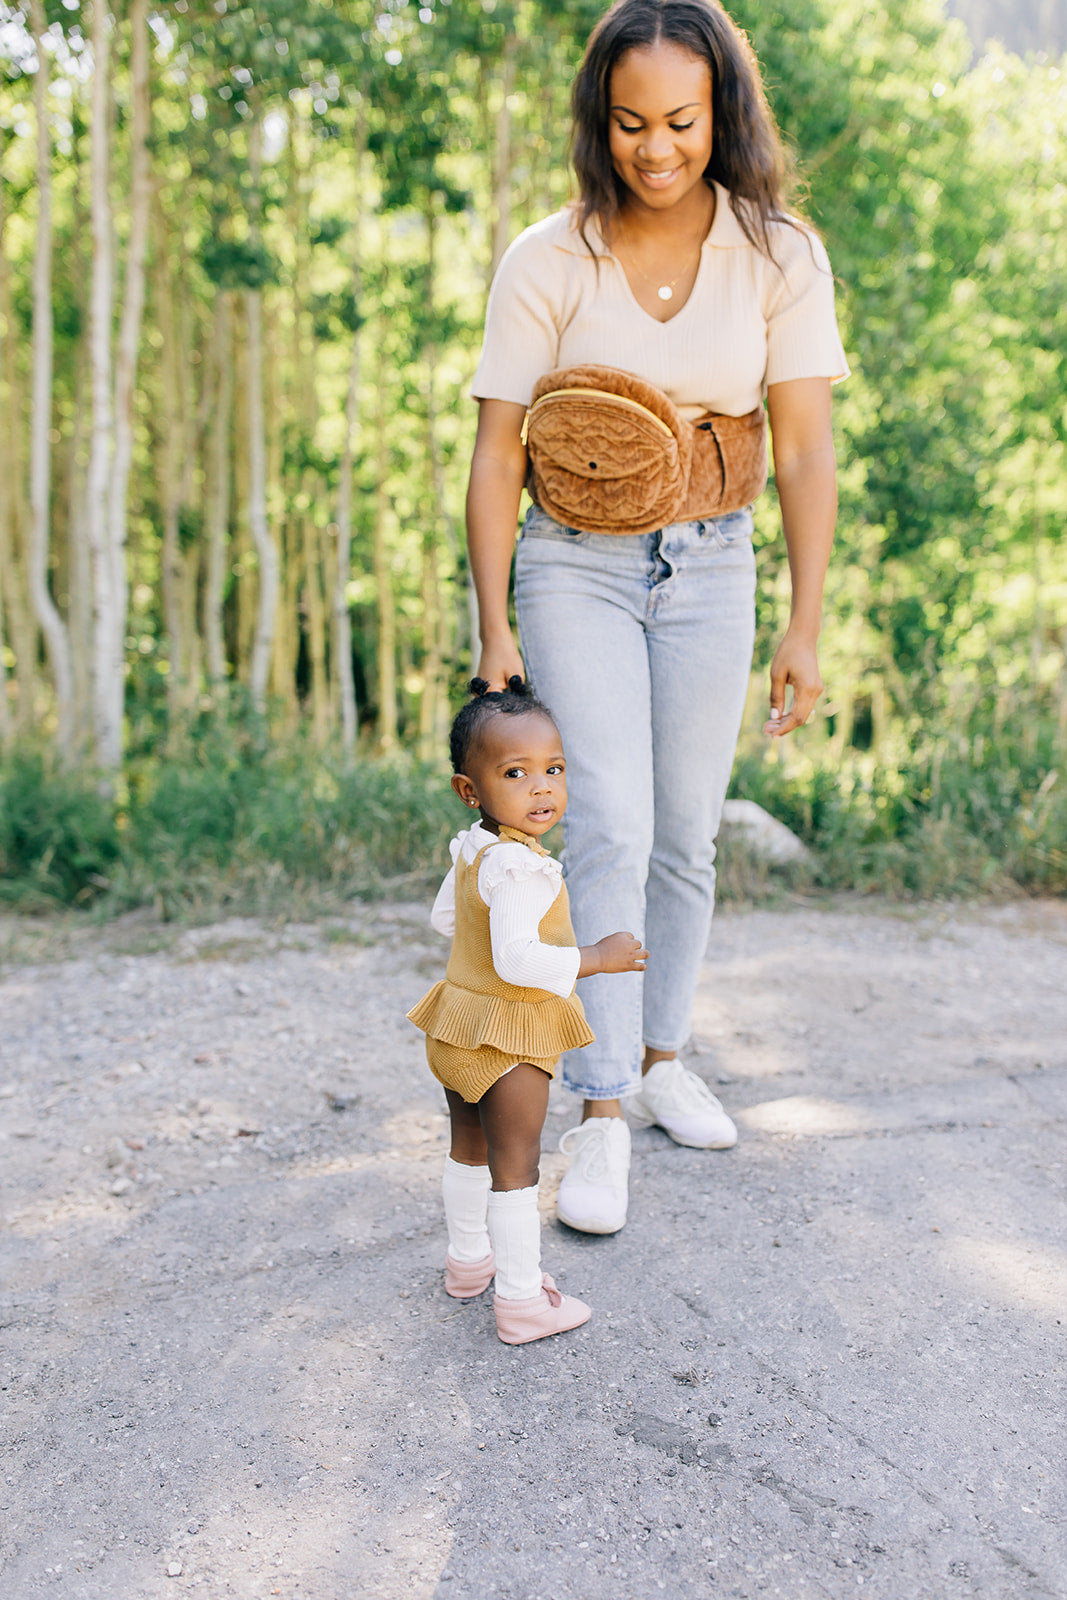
(747, 157)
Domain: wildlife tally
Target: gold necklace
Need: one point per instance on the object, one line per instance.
(664, 290)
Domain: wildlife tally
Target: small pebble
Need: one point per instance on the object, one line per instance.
(174, 1570)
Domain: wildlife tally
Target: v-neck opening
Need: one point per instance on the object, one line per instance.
(661, 322)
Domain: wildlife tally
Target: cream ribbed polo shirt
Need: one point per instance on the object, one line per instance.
(749, 321)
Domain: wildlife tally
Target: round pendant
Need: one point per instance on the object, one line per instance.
(665, 292)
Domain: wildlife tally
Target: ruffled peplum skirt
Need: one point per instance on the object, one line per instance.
(473, 1039)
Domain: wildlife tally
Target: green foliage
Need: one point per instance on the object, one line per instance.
(238, 263)
(232, 817)
(968, 814)
(59, 839)
(229, 818)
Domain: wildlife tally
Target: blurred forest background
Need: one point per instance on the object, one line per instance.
(244, 253)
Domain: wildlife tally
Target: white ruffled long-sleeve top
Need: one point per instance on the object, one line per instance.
(518, 886)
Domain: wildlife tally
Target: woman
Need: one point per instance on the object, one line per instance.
(678, 264)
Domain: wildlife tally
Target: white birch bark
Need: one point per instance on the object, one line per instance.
(6, 499)
(433, 712)
(501, 203)
(51, 623)
(22, 624)
(175, 449)
(111, 694)
(215, 577)
(107, 733)
(262, 539)
(383, 574)
(342, 619)
(79, 617)
(259, 527)
(5, 709)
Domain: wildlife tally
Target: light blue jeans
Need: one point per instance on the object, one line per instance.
(641, 645)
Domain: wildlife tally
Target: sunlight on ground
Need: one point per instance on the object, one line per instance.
(1030, 1275)
(803, 1116)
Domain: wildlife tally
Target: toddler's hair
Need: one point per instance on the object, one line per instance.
(517, 699)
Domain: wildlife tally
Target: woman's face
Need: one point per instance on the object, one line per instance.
(659, 123)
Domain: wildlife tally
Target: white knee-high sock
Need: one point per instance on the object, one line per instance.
(515, 1229)
(465, 1191)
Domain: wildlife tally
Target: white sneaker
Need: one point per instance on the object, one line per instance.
(593, 1194)
(683, 1106)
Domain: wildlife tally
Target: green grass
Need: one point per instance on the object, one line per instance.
(229, 821)
(963, 815)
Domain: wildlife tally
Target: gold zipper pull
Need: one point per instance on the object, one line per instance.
(525, 428)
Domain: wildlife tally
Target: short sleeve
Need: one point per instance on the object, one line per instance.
(802, 336)
(521, 340)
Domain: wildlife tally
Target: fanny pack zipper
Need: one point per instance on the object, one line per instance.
(599, 394)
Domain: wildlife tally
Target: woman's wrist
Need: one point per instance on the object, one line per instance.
(805, 611)
(805, 627)
(497, 637)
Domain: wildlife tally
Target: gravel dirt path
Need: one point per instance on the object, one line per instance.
(827, 1363)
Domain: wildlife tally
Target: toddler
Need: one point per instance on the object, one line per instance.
(496, 1025)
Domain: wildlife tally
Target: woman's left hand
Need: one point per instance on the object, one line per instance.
(795, 665)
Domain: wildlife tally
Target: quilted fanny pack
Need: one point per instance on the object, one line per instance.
(609, 453)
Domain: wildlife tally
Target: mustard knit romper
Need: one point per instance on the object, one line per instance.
(476, 1025)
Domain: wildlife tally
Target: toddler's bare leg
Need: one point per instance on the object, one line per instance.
(512, 1116)
(468, 1140)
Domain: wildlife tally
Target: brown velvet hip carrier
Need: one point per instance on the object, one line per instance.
(609, 453)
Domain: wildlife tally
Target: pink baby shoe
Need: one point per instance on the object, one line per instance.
(520, 1321)
(465, 1279)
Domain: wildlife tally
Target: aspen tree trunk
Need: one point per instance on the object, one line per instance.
(5, 709)
(276, 403)
(429, 717)
(189, 580)
(6, 443)
(172, 450)
(262, 537)
(342, 619)
(51, 623)
(433, 711)
(107, 730)
(309, 613)
(79, 556)
(219, 515)
(22, 623)
(315, 616)
(501, 201)
(79, 565)
(286, 650)
(383, 576)
(245, 598)
(15, 514)
(129, 340)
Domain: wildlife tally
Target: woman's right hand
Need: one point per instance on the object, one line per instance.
(500, 661)
(618, 952)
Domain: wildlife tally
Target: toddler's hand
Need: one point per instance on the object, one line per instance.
(618, 952)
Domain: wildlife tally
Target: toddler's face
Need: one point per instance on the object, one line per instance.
(517, 774)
